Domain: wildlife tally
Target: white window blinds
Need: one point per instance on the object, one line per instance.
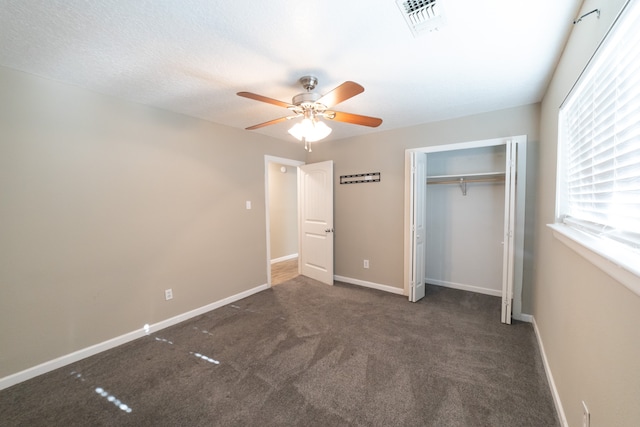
(599, 141)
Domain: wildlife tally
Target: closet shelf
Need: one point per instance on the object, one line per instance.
(467, 177)
(463, 179)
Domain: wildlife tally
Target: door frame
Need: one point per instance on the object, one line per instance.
(282, 161)
(521, 142)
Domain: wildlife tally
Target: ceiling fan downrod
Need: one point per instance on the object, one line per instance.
(308, 82)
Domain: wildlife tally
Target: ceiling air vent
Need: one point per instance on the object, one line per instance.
(422, 16)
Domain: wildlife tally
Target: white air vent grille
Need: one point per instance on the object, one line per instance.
(421, 15)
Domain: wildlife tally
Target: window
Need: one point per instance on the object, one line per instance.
(599, 147)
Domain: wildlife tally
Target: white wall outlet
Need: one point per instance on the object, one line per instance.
(168, 294)
(586, 416)
(366, 263)
(248, 204)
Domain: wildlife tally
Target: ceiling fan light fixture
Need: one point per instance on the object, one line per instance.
(310, 130)
(320, 131)
(297, 131)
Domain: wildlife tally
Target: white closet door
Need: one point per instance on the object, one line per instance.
(418, 219)
(509, 226)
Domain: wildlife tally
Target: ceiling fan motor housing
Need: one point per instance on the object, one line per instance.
(306, 97)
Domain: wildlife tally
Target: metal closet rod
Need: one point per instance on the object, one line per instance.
(463, 180)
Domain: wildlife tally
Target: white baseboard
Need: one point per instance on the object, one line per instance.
(67, 359)
(554, 391)
(386, 288)
(463, 287)
(523, 317)
(284, 258)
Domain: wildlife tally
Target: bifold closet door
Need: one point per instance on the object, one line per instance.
(418, 220)
(508, 257)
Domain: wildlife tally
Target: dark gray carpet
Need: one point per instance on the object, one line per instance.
(306, 354)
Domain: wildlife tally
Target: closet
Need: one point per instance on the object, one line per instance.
(464, 216)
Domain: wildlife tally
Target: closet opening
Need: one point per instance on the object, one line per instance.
(464, 219)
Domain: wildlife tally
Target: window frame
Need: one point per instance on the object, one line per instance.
(618, 260)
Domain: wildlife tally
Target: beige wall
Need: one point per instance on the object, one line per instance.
(283, 210)
(369, 217)
(104, 204)
(589, 323)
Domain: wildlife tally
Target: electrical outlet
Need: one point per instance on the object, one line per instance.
(168, 294)
(366, 263)
(586, 416)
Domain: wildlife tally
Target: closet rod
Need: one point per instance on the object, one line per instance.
(462, 181)
(458, 181)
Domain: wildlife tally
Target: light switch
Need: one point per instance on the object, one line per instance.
(248, 204)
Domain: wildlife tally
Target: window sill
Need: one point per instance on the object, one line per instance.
(619, 263)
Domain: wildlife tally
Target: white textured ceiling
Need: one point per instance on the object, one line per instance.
(192, 56)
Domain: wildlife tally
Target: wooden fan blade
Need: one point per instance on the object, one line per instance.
(343, 92)
(270, 122)
(355, 119)
(264, 99)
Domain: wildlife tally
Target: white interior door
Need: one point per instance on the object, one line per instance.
(418, 194)
(509, 232)
(316, 231)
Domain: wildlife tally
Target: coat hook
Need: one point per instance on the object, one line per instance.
(587, 14)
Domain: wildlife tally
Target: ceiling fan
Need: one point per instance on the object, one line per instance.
(312, 106)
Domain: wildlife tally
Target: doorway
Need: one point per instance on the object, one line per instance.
(281, 206)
